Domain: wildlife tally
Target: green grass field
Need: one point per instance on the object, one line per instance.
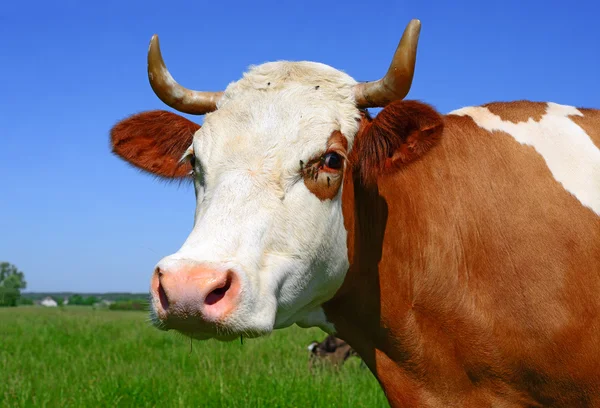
(80, 357)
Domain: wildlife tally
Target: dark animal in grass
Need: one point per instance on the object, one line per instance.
(332, 350)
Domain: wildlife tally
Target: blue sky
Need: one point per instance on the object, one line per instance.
(73, 217)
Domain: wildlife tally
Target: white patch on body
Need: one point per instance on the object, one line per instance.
(254, 213)
(568, 151)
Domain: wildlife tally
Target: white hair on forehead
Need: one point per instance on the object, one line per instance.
(321, 91)
(275, 74)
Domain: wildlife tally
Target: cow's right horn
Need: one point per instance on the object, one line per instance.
(173, 94)
(396, 83)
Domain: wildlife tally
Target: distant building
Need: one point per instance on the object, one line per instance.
(48, 302)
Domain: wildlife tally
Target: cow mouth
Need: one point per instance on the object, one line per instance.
(224, 334)
(220, 312)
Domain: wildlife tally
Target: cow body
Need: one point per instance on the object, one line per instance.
(459, 255)
(475, 274)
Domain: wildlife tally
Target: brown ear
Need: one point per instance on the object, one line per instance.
(399, 134)
(155, 141)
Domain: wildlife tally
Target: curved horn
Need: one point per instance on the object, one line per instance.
(396, 83)
(173, 94)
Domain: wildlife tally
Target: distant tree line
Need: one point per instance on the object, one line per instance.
(132, 304)
(79, 300)
(114, 296)
(124, 304)
(118, 300)
(12, 281)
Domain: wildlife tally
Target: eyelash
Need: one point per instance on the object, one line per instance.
(312, 168)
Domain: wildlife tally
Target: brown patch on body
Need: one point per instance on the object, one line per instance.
(155, 141)
(322, 181)
(518, 111)
(473, 278)
(590, 123)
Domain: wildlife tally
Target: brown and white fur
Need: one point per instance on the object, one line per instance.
(459, 255)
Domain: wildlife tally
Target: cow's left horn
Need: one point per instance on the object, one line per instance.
(173, 94)
(396, 83)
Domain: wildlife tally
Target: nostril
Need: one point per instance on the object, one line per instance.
(218, 293)
(162, 296)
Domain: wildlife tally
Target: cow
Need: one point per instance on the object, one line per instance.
(333, 350)
(458, 254)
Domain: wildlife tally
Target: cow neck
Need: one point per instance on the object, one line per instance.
(367, 310)
(356, 308)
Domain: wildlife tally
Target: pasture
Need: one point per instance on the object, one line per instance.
(80, 357)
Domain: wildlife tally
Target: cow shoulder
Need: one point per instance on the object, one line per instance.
(155, 141)
(562, 135)
(401, 133)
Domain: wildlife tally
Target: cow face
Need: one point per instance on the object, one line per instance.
(268, 245)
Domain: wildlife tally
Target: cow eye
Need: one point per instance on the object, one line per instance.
(193, 162)
(332, 160)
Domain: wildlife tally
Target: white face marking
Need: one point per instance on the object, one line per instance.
(569, 152)
(254, 213)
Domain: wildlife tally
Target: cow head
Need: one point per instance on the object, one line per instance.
(268, 245)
